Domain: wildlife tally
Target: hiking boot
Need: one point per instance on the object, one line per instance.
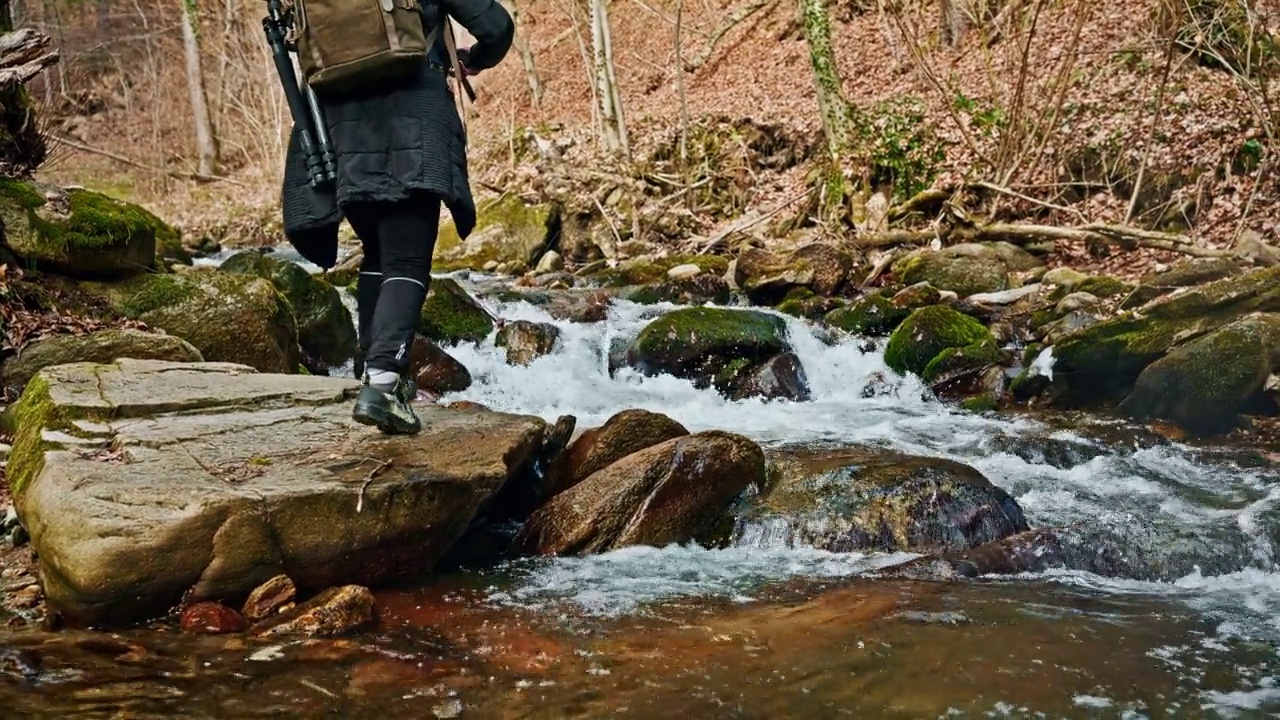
(388, 410)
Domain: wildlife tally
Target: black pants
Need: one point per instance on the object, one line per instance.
(398, 240)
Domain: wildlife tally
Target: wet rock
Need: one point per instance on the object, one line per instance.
(713, 347)
(1068, 324)
(81, 233)
(325, 328)
(228, 317)
(580, 308)
(450, 316)
(767, 276)
(653, 270)
(1202, 385)
(269, 598)
(936, 342)
(102, 346)
(673, 492)
(804, 304)
(435, 370)
(864, 498)
(627, 432)
(964, 269)
(781, 377)
(549, 262)
(1102, 361)
(211, 618)
(695, 290)
(209, 479)
(525, 340)
(920, 295)
(333, 612)
(873, 315)
(508, 231)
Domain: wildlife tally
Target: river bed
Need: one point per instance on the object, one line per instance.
(768, 628)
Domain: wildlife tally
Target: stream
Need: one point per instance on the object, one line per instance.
(766, 628)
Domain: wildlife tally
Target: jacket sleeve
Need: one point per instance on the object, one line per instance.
(489, 23)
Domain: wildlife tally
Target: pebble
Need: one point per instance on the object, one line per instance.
(681, 272)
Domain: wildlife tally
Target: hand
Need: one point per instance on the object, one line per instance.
(464, 61)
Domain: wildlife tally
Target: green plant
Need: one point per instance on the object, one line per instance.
(900, 146)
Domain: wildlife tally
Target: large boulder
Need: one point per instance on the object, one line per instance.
(143, 483)
(1101, 362)
(228, 317)
(767, 276)
(525, 340)
(450, 315)
(325, 329)
(674, 492)
(936, 341)
(866, 498)
(80, 233)
(507, 231)
(1202, 385)
(624, 433)
(965, 269)
(721, 348)
(102, 346)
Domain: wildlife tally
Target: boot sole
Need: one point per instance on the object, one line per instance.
(373, 415)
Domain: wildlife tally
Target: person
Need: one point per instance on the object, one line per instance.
(401, 152)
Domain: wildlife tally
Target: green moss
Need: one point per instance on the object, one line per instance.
(450, 315)
(1030, 352)
(34, 413)
(874, 315)
(145, 293)
(731, 371)
(960, 359)
(645, 271)
(1104, 286)
(985, 402)
(927, 333)
(21, 193)
(707, 330)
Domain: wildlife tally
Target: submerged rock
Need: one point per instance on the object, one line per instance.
(673, 492)
(143, 482)
(102, 346)
(866, 498)
(325, 329)
(211, 618)
(713, 347)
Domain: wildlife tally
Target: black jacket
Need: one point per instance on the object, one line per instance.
(390, 142)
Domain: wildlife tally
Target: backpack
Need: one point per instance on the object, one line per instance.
(347, 44)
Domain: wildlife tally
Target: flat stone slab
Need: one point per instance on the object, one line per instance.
(191, 481)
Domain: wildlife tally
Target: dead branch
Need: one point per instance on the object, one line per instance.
(24, 54)
(141, 165)
(732, 20)
(382, 465)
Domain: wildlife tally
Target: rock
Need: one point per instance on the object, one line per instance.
(507, 231)
(935, 340)
(713, 347)
(1064, 277)
(102, 346)
(767, 277)
(1251, 247)
(270, 598)
(1103, 286)
(211, 618)
(872, 315)
(204, 480)
(27, 598)
(653, 270)
(922, 294)
(696, 290)
(673, 492)
(325, 329)
(81, 233)
(591, 268)
(802, 303)
(435, 370)
(964, 269)
(549, 262)
(591, 307)
(450, 315)
(1076, 301)
(873, 499)
(1102, 361)
(627, 432)
(490, 266)
(1202, 384)
(1015, 258)
(526, 340)
(1004, 297)
(228, 317)
(1190, 272)
(781, 377)
(683, 272)
(335, 611)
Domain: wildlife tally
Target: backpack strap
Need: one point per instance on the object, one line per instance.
(449, 43)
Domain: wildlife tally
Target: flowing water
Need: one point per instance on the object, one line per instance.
(767, 628)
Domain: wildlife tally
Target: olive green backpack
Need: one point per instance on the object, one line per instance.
(346, 44)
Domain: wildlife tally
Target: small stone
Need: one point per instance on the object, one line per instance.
(490, 266)
(211, 618)
(525, 341)
(1064, 277)
(549, 262)
(269, 597)
(502, 268)
(683, 272)
(1076, 301)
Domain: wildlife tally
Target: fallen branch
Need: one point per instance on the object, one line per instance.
(732, 20)
(144, 166)
(24, 54)
(383, 465)
(746, 223)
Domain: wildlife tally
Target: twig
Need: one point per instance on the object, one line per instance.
(613, 228)
(129, 161)
(745, 224)
(1151, 131)
(368, 479)
(1015, 194)
(317, 688)
(739, 14)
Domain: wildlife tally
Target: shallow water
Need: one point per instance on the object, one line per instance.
(768, 629)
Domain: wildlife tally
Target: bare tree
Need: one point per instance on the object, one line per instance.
(206, 139)
(838, 114)
(526, 53)
(613, 124)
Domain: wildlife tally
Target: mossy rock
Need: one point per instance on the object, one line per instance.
(228, 317)
(930, 336)
(768, 277)
(81, 233)
(965, 269)
(507, 231)
(1015, 258)
(1102, 361)
(956, 361)
(872, 315)
(699, 289)
(325, 328)
(103, 346)
(1104, 286)
(450, 315)
(32, 415)
(1203, 384)
(650, 270)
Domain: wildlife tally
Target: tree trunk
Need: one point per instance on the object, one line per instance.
(952, 21)
(526, 53)
(838, 114)
(613, 130)
(206, 139)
